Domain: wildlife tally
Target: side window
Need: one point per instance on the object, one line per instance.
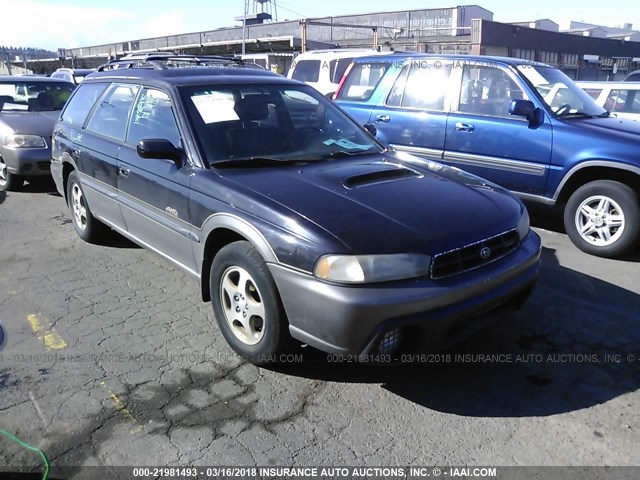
(153, 118)
(593, 92)
(397, 92)
(111, 114)
(488, 91)
(426, 87)
(615, 101)
(307, 71)
(80, 105)
(362, 81)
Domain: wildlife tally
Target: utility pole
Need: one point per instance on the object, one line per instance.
(244, 27)
(7, 60)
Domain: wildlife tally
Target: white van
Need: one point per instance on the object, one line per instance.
(619, 98)
(323, 69)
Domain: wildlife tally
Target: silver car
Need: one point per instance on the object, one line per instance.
(29, 108)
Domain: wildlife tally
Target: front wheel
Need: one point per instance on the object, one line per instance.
(247, 305)
(603, 218)
(9, 181)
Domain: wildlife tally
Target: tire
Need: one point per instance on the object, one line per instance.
(240, 283)
(9, 181)
(603, 218)
(87, 227)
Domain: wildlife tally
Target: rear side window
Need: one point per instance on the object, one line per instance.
(362, 81)
(626, 101)
(111, 114)
(307, 71)
(424, 86)
(80, 105)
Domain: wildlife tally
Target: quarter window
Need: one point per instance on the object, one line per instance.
(80, 105)
(153, 118)
(111, 114)
(488, 91)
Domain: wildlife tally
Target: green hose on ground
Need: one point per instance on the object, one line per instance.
(25, 445)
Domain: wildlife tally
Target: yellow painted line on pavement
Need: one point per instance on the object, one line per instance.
(45, 332)
(119, 406)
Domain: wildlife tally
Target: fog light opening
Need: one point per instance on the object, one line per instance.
(390, 342)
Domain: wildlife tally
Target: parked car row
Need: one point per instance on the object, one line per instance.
(351, 234)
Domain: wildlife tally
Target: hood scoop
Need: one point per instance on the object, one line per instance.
(380, 176)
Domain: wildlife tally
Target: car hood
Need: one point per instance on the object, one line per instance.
(610, 125)
(384, 205)
(31, 123)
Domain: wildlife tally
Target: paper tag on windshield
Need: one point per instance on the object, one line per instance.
(215, 107)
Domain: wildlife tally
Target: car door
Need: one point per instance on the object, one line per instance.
(484, 139)
(413, 117)
(98, 146)
(154, 193)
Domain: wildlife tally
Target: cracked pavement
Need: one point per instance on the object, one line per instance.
(146, 378)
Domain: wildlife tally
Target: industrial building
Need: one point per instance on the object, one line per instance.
(585, 52)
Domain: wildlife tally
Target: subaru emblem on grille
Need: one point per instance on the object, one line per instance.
(485, 252)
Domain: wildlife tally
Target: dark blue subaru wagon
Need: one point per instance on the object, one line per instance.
(525, 126)
(297, 223)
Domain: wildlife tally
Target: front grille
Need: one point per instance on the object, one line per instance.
(474, 255)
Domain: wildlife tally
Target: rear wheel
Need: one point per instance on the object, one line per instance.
(87, 227)
(603, 218)
(247, 305)
(8, 180)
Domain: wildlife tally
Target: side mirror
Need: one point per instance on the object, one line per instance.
(371, 128)
(158, 148)
(330, 95)
(526, 109)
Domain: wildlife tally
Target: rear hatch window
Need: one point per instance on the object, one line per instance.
(362, 80)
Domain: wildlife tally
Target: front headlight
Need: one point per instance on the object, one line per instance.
(371, 268)
(524, 224)
(24, 141)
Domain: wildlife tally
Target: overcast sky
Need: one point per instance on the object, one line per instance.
(75, 23)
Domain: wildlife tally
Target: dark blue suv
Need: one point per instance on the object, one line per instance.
(297, 223)
(523, 125)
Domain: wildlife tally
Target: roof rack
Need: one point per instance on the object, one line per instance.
(164, 61)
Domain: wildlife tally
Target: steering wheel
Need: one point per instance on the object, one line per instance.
(564, 108)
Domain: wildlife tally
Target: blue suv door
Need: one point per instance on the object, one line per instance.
(484, 139)
(413, 117)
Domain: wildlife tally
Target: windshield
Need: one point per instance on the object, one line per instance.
(278, 122)
(559, 92)
(34, 96)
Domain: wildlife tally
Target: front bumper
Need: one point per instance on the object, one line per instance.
(27, 161)
(351, 319)
(56, 174)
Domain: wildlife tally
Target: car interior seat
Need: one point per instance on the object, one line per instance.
(253, 136)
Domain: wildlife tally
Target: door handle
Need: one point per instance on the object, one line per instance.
(383, 118)
(464, 127)
(124, 172)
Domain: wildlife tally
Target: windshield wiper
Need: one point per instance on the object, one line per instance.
(570, 115)
(345, 153)
(255, 162)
